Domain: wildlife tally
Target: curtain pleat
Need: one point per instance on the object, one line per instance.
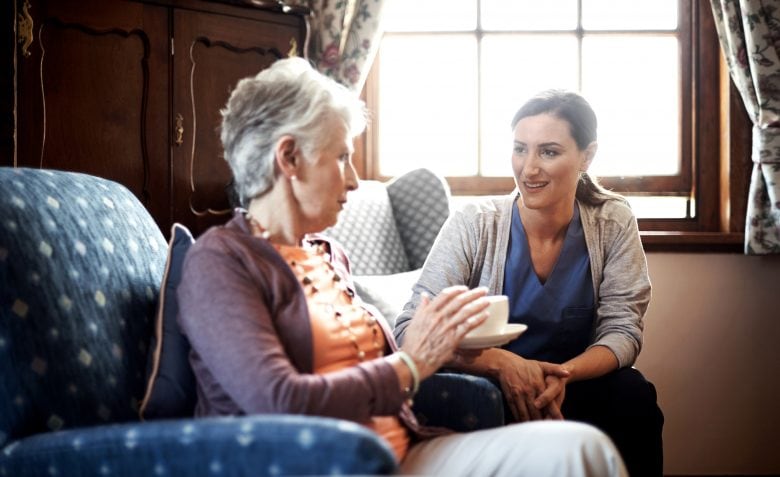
(345, 35)
(749, 32)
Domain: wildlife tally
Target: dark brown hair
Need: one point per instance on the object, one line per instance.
(583, 126)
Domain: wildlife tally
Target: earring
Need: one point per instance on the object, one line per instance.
(293, 177)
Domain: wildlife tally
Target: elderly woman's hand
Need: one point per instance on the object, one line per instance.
(440, 324)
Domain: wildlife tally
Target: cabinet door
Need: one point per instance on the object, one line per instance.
(212, 52)
(92, 95)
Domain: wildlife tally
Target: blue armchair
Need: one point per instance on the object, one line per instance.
(81, 264)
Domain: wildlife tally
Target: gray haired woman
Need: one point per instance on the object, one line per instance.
(275, 326)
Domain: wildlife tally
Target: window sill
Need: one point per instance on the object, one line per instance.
(692, 242)
(661, 240)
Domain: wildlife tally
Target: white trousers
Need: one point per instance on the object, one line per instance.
(539, 448)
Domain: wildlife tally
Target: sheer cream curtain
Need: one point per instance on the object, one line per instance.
(749, 32)
(345, 35)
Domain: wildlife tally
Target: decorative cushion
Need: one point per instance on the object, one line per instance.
(388, 293)
(367, 231)
(80, 265)
(421, 205)
(170, 388)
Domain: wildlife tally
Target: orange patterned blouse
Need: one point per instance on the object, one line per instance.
(344, 333)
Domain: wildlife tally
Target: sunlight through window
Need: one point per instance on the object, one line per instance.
(453, 73)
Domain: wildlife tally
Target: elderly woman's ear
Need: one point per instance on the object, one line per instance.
(286, 156)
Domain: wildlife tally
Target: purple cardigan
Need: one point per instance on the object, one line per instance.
(246, 317)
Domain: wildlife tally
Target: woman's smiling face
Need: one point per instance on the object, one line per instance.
(547, 162)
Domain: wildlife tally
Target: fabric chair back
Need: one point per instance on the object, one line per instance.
(390, 228)
(80, 267)
(421, 205)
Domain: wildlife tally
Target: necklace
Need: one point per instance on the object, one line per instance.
(324, 287)
(316, 273)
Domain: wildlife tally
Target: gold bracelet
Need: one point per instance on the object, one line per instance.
(409, 362)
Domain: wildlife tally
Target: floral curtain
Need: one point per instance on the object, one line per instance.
(749, 32)
(345, 35)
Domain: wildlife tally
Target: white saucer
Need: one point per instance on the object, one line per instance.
(510, 332)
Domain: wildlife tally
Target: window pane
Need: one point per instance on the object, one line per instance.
(643, 207)
(514, 68)
(529, 14)
(429, 15)
(659, 207)
(428, 105)
(629, 14)
(633, 85)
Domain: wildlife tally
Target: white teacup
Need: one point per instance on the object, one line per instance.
(498, 315)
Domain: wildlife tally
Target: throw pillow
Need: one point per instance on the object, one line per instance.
(170, 390)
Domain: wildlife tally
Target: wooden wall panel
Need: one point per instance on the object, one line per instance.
(8, 49)
(205, 44)
(92, 93)
(108, 84)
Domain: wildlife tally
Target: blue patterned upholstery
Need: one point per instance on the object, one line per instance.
(81, 262)
(80, 265)
(247, 446)
(459, 402)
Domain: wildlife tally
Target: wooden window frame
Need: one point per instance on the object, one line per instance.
(715, 151)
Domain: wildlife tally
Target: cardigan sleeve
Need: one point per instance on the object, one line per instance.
(624, 291)
(448, 263)
(247, 322)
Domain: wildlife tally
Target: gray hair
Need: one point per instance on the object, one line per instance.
(288, 98)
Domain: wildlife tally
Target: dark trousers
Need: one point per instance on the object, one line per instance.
(623, 405)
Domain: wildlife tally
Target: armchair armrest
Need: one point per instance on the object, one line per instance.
(236, 446)
(460, 402)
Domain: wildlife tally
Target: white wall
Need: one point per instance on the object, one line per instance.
(712, 349)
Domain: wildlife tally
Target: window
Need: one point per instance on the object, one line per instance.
(451, 73)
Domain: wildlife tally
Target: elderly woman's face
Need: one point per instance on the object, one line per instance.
(546, 162)
(324, 178)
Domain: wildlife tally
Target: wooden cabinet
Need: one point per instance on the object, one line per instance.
(131, 91)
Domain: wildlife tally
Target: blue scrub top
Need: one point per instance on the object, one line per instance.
(560, 312)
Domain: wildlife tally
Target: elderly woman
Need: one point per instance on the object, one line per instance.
(567, 253)
(274, 324)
